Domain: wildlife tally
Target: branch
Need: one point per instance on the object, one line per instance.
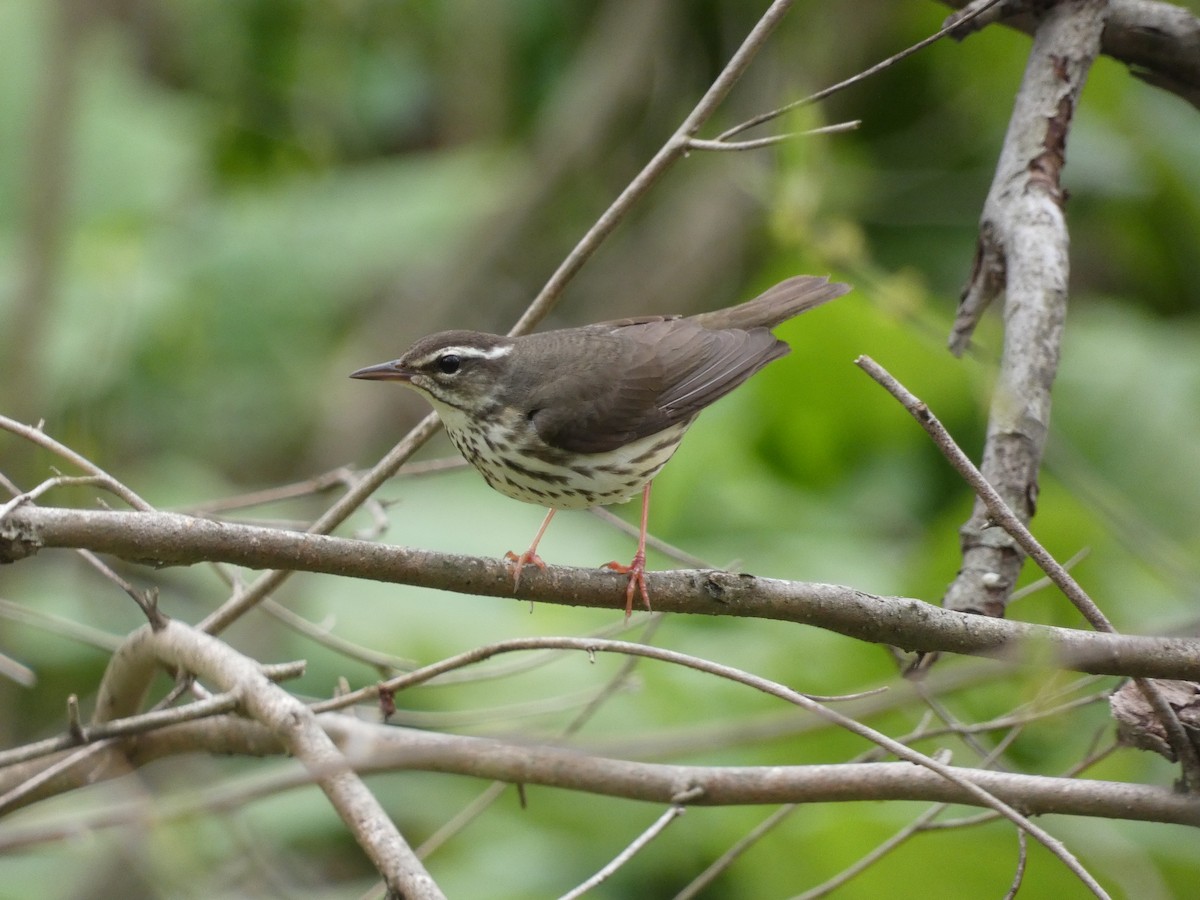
(179, 646)
(41, 439)
(635, 847)
(999, 513)
(173, 539)
(379, 748)
(671, 152)
(1159, 42)
(1023, 253)
(687, 791)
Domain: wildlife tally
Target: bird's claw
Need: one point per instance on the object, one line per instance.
(636, 571)
(517, 564)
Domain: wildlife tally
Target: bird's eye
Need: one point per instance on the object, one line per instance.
(449, 363)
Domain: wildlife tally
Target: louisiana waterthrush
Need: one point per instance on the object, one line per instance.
(588, 416)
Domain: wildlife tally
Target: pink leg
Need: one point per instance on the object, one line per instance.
(530, 555)
(636, 570)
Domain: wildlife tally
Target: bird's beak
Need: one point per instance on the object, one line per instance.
(388, 371)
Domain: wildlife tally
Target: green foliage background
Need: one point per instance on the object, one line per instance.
(262, 196)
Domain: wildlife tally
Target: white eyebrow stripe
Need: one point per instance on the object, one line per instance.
(491, 353)
(470, 352)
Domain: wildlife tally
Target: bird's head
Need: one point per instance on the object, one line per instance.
(456, 369)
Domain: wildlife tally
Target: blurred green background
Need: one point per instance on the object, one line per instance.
(211, 213)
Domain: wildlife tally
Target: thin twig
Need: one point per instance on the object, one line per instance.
(998, 510)
(50, 484)
(493, 792)
(59, 625)
(697, 885)
(855, 79)
(759, 143)
(343, 476)
(1019, 874)
(758, 683)
(1000, 513)
(659, 826)
(1043, 582)
(61, 767)
(17, 672)
(465, 816)
(383, 663)
(139, 724)
(922, 823)
(860, 865)
(184, 648)
(146, 601)
(39, 437)
(670, 153)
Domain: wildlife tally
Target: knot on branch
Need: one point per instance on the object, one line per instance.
(1138, 725)
(17, 541)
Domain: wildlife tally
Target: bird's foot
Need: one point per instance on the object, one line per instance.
(636, 571)
(516, 564)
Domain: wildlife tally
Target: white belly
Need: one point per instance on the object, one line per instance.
(555, 479)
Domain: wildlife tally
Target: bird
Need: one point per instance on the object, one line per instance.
(588, 416)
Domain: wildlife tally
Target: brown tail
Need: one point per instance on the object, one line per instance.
(776, 304)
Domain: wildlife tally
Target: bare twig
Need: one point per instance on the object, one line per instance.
(913, 828)
(1019, 874)
(1043, 582)
(145, 600)
(43, 781)
(16, 672)
(758, 143)
(697, 885)
(643, 839)
(60, 625)
(493, 791)
(387, 749)
(56, 482)
(670, 550)
(760, 684)
(384, 663)
(724, 136)
(342, 476)
(139, 724)
(999, 512)
(39, 437)
(465, 817)
(670, 153)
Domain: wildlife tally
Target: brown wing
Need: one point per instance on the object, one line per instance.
(617, 382)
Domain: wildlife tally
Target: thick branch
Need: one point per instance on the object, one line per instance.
(1160, 42)
(178, 646)
(382, 748)
(172, 539)
(1023, 253)
(722, 786)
